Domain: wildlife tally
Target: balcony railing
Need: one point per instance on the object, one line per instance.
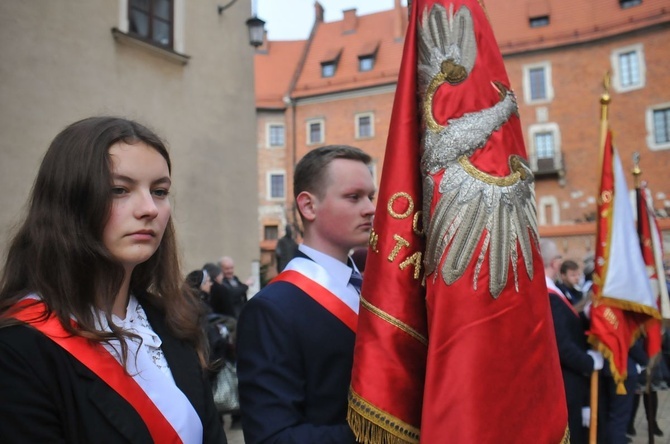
(547, 166)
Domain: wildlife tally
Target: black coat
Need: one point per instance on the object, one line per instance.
(47, 395)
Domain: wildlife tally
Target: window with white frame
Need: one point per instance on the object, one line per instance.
(315, 131)
(658, 127)
(537, 83)
(276, 135)
(628, 67)
(364, 125)
(545, 147)
(276, 185)
(152, 20)
(161, 22)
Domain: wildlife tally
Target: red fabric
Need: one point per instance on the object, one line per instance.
(99, 361)
(613, 329)
(321, 295)
(645, 223)
(490, 371)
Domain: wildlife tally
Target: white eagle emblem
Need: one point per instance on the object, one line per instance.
(472, 204)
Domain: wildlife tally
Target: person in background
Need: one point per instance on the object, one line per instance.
(220, 300)
(577, 361)
(237, 290)
(296, 336)
(568, 282)
(98, 342)
(286, 248)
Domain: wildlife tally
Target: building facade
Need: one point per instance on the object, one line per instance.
(557, 55)
(165, 63)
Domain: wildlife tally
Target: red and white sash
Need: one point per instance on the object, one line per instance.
(314, 280)
(97, 359)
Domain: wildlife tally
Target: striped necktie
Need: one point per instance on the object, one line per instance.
(356, 280)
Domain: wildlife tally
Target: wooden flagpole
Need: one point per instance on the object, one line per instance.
(604, 124)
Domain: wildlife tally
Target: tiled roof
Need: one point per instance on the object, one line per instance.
(359, 36)
(275, 64)
(570, 21)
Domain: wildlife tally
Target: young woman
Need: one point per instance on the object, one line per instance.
(97, 341)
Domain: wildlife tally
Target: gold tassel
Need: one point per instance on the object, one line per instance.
(367, 432)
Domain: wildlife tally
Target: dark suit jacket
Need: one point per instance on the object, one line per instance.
(237, 294)
(294, 369)
(576, 364)
(46, 395)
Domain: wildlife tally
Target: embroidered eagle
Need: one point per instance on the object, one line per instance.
(472, 204)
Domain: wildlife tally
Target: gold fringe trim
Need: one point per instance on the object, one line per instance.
(630, 306)
(374, 426)
(566, 436)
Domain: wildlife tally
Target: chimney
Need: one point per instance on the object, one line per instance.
(350, 21)
(399, 21)
(318, 12)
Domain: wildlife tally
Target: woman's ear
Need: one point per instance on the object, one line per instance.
(307, 204)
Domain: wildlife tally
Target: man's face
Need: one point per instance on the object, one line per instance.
(228, 268)
(571, 277)
(343, 213)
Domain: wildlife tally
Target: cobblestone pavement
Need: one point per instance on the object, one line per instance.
(663, 417)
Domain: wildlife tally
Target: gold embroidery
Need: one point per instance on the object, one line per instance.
(394, 321)
(400, 242)
(374, 239)
(410, 205)
(415, 223)
(371, 424)
(415, 260)
(518, 172)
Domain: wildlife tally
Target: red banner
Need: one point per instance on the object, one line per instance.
(455, 339)
(622, 297)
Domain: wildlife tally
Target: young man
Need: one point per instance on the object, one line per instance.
(569, 281)
(577, 361)
(296, 337)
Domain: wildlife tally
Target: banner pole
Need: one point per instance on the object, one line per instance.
(593, 426)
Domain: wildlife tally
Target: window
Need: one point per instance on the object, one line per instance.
(275, 135)
(537, 22)
(328, 69)
(662, 125)
(628, 67)
(366, 63)
(629, 3)
(548, 211)
(537, 83)
(538, 90)
(152, 20)
(364, 126)
(270, 232)
(276, 185)
(545, 149)
(315, 132)
(544, 145)
(658, 127)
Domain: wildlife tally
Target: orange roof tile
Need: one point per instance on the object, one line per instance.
(379, 30)
(275, 65)
(569, 21)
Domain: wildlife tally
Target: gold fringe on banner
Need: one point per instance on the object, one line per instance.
(374, 426)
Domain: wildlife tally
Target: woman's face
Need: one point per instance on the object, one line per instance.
(140, 208)
(207, 285)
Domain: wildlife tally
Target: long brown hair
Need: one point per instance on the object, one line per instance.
(58, 252)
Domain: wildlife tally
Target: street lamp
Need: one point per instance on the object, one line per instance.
(255, 25)
(256, 28)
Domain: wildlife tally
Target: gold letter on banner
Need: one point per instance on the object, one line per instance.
(408, 211)
(415, 260)
(400, 242)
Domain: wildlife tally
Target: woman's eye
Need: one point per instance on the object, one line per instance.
(118, 191)
(161, 192)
